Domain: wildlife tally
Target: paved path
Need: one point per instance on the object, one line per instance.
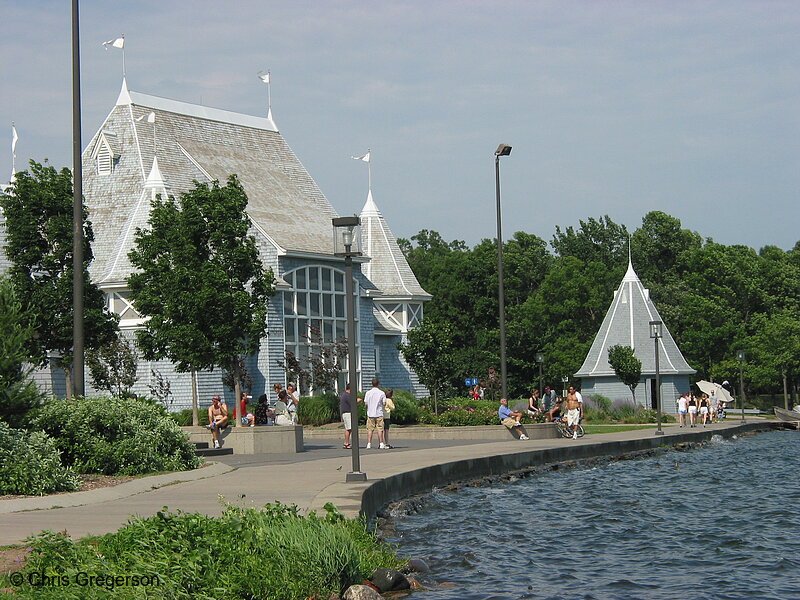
(309, 480)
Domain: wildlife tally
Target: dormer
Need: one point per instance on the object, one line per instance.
(106, 153)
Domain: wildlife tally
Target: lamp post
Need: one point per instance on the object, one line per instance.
(740, 357)
(656, 331)
(78, 285)
(344, 235)
(502, 150)
(540, 359)
(564, 381)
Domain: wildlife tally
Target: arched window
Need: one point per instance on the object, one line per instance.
(314, 312)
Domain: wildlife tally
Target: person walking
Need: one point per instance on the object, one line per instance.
(375, 400)
(692, 411)
(682, 404)
(344, 409)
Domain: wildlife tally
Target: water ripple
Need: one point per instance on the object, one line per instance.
(715, 523)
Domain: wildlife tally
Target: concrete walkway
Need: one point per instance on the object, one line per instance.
(317, 476)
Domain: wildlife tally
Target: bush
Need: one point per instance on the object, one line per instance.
(318, 410)
(184, 417)
(406, 411)
(269, 552)
(116, 436)
(30, 464)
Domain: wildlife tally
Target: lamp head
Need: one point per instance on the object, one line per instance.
(503, 150)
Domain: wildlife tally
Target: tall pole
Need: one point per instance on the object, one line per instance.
(356, 474)
(77, 213)
(541, 391)
(500, 289)
(659, 431)
(741, 382)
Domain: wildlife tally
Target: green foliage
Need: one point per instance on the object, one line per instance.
(626, 366)
(182, 417)
(18, 393)
(30, 464)
(113, 366)
(124, 436)
(429, 352)
(199, 279)
(269, 552)
(406, 411)
(38, 210)
(318, 410)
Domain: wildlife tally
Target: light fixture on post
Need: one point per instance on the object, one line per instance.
(345, 236)
(502, 150)
(564, 381)
(656, 332)
(740, 357)
(540, 359)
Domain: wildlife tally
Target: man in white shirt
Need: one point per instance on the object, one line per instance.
(375, 399)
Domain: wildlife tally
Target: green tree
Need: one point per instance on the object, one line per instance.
(200, 281)
(429, 352)
(626, 366)
(599, 240)
(113, 366)
(18, 393)
(38, 210)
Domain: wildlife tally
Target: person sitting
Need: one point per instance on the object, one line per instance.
(533, 403)
(555, 412)
(217, 418)
(264, 415)
(282, 416)
(247, 418)
(511, 419)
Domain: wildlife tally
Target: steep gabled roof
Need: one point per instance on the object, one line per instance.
(387, 268)
(627, 323)
(195, 142)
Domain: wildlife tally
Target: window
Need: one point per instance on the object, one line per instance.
(314, 312)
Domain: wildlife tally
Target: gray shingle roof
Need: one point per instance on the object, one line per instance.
(627, 323)
(387, 268)
(199, 143)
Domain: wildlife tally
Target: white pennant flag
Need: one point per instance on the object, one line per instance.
(117, 43)
(14, 138)
(151, 117)
(264, 77)
(365, 157)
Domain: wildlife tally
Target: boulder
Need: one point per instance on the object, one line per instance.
(416, 565)
(361, 592)
(389, 580)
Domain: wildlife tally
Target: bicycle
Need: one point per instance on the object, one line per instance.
(565, 431)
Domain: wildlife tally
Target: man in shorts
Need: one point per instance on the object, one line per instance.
(375, 399)
(511, 419)
(344, 409)
(683, 405)
(574, 411)
(217, 418)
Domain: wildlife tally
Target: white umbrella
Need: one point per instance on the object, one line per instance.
(714, 388)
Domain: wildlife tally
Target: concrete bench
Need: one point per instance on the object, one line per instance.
(261, 439)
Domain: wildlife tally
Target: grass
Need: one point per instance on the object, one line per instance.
(270, 552)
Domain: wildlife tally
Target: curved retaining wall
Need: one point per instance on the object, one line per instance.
(423, 480)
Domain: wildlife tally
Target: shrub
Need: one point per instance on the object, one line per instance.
(30, 464)
(184, 417)
(269, 552)
(318, 410)
(406, 411)
(116, 436)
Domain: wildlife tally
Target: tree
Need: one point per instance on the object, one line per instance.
(626, 366)
(200, 281)
(38, 210)
(429, 352)
(18, 393)
(113, 366)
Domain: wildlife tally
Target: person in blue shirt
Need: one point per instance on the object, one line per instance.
(511, 418)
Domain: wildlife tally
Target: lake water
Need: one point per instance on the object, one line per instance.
(719, 522)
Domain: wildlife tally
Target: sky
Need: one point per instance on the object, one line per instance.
(612, 108)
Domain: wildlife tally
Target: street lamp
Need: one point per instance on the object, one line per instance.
(540, 359)
(502, 150)
(564, 381)
(740, 358)
(344, 235)
(656, 332)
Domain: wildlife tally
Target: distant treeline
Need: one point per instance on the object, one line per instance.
(714, 299)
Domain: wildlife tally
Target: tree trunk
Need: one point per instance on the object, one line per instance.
(68, 379)
(785, 391)
(435, 403)
(237, 393)
(195, 416)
